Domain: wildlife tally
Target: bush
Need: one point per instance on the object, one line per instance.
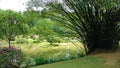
(52, 40)
(37, 41)
(59, 57)
(28, 62)
(41, 60)
(55, 56)
(10, 57)
(21, 40)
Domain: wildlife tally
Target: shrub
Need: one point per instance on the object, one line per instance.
(52, 40)
(28, 61)
(37, 41)
(21, 40)
(60, 57)
(10, 57)
(55, 56)
(41, 60)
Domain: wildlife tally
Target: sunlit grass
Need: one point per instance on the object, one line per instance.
(103, 60)
(33, 49)
(85, 62)
(45, 53)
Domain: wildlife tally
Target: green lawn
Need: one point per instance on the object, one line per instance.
(107, 60)
(86, 62)
(46, 52)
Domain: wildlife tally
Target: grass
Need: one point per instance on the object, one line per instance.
(45, 48)
(44, 53)
(103, 60)
(86, 62)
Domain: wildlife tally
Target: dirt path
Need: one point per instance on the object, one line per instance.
(112, 59)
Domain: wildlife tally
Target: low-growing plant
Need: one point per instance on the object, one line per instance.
(44, 54)
(55, 56)
(10, 57)
(52, 40)
(41, 60)
(37, 41)
(28, 61)
(21, 40)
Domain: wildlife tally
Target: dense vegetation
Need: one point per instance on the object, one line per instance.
(42, 34)
(95, 21)
(30, 27)
(11, 25)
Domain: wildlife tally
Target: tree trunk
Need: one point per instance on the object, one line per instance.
(9, 42)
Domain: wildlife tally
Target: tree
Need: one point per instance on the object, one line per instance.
(11, 25)
(35, 5)
(94, 21)
(44, 28)
(31, 18)
(40, 24)
(38, 5)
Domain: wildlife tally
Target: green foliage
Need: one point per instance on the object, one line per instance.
(31, 17)
(55, 55)
(21, 40)
(52, 39)
(31, 4)
(44, 27)
(37, 41)
(60, 56)
(48, 29)
(8, 55)
(11, 24)
(40, 61)
(93, 20)
(85, 62)
(28, 61)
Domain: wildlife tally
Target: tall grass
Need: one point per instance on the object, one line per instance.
(44, 53)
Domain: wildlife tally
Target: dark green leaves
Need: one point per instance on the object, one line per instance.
(93, 20)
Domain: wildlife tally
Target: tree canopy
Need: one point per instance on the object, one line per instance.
(11, 24)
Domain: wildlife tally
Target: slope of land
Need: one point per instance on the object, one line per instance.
(101, 60)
